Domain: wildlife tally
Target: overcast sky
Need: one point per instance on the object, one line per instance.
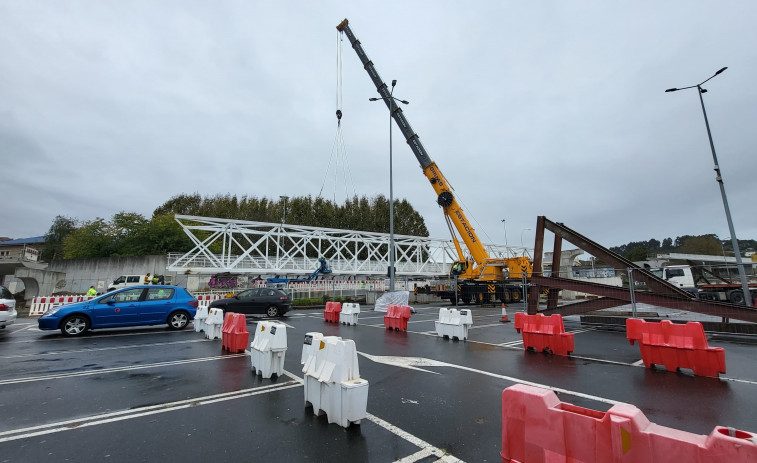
(528, 108)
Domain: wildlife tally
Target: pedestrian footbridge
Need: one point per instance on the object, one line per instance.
(238, 246)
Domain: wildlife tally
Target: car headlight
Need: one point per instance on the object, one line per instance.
(51, 311)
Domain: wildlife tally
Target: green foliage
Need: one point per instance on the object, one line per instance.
(93, 239)
(708, 244)
(705, 244)
(637, 254)
(126, 234)
(365, 214)
(131, 234)
(59, 230)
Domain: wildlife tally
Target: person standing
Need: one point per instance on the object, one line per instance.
(147, 279)
(92, 291)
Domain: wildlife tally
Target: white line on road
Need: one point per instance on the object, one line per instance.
(139, 412)
(74, 351)
(417, 441)
(31, 379)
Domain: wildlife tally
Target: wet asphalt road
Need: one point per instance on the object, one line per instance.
(150, 394)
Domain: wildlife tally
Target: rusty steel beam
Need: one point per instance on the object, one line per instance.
(657, 285)
(534, 291)
(556, 259)
(714, 308)
(584, 306)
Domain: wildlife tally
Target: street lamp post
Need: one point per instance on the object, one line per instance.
(521, 236)
(392, 107)
(719, 179)
(504, 226)
(285, 198)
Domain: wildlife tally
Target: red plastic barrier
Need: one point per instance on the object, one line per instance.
(332, 311)
(235, 334)
(676, 346)
(544, 333)
(396, 317)
(538, 428)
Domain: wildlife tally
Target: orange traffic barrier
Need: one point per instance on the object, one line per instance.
(235, 335)
(544, 334)
(676, 346)
(396, 317)
(537, 427)
(332, 311)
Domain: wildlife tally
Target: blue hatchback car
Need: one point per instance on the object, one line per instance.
(132, 306)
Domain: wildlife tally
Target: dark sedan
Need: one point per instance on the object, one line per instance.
(269, 301)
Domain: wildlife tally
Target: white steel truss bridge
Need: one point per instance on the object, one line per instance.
(238, 246)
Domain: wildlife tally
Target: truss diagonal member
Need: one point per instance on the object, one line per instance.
(619, 263)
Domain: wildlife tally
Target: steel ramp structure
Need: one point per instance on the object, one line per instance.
(659, 293)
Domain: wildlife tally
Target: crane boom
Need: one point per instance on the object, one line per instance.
(481, 265)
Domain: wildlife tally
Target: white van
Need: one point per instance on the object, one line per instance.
(126, 280)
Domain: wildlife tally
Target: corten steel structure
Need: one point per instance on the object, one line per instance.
(278, 248)
(660, 292)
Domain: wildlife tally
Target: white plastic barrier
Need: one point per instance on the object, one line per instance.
(214, 324)
(200, 316)
(40, 305)
(310, 345)
(268, 349)
(332, 380)
(204, 300)
(349, 313)
(453, 323)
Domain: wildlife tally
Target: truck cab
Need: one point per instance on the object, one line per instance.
(678, 275)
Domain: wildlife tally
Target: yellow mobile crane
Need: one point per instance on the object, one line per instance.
(480, 277)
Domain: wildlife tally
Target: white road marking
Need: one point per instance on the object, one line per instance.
(474, 327)
(31, 379)
(99, 336)
(139, 412)
(414, 362)
(637, 363)
(419, 455)
(74, 351)
(418, 442)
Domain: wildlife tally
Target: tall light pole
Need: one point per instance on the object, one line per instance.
(521, 236)
(285, 198)
(719, 179)
(392, 108)
(504, 226)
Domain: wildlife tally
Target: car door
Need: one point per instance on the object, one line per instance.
(157, 305)
(267, 297)
(119, 309)
(244, 302)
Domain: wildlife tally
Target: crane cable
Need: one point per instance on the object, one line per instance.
(339, 147)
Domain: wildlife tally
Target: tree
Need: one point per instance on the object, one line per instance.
(93, 239)
(638, 254)
(704, 244)
(55, 236)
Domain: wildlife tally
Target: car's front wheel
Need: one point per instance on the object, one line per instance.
(74, 325)
(178, 320)
(272, 311)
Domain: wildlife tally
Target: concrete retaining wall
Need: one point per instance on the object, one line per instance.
(82, 273)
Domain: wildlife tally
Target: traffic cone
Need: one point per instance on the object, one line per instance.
(504, 314)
